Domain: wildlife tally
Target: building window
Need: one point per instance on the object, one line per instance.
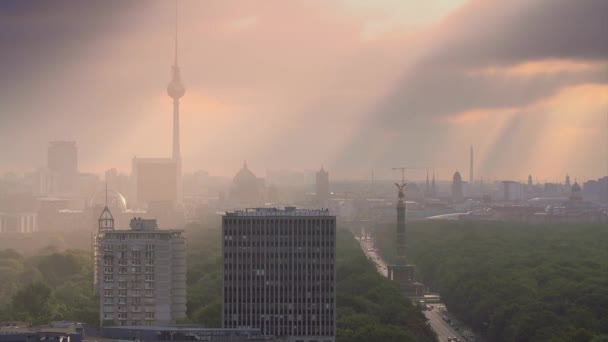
(136, 254)
(108, 292)
(108, 277)
(149, 277)
(149, 269)
(149, 255)
(149, 315)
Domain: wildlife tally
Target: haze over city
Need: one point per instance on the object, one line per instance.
(350, 85)
(304, 170)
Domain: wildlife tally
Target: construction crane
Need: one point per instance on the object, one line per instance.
(403, 168)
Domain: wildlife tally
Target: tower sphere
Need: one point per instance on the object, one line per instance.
(176, 89)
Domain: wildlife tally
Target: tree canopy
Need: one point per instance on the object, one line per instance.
(515, 281)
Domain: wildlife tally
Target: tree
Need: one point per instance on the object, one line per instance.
(33, 303)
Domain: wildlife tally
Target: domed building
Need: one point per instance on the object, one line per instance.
(116, 202)
(457, 195)
(576, 194)
(246, 189)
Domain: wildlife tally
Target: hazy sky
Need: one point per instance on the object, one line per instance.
(348, 84)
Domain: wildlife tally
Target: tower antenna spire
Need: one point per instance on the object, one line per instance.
(175, 52)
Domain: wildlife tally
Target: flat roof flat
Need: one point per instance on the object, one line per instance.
(278, 212)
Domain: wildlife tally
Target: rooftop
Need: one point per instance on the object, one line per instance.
(287, 211)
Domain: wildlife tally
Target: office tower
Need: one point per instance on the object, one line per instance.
(322, 186)
(62, 163)
(457, 195)
(139, 273)
(403, 273)
(279, 272)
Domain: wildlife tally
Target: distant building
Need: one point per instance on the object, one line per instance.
(246, 190)
(279, 272)
(139, 273)
(19, 222)
(322, 187)
(512, 191)
(117, 181)
(18, 213)
(596, 190)
(62, 162)
(576, 193)
(552, 189)
(457, 194)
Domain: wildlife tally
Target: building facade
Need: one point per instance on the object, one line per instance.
(279, 272)
(140, 273)
(22, 222)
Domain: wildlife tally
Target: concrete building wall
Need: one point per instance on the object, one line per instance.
(279, 273)
(136, 280)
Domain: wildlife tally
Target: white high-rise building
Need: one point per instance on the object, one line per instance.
(140, 273)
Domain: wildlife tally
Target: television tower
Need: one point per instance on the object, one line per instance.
(176, 90)
(471, 171)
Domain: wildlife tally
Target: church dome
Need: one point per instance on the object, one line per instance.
(115, 201)
(246, 187)
(576, 187)
(244, 176)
